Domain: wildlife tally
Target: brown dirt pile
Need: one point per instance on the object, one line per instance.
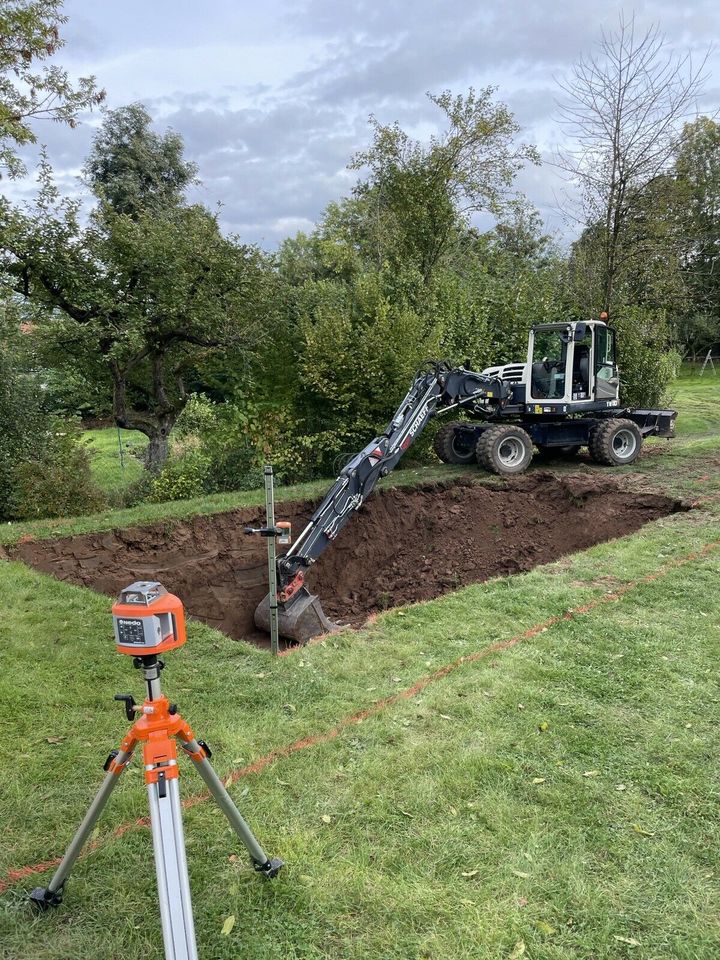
(404, 545)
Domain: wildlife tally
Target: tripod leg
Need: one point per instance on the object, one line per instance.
(269, 868)
(171, 866)
(51, 896)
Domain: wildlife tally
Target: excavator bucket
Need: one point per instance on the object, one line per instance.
(300, 619)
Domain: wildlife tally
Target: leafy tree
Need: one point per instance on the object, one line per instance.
(417, 196)
(139, 302)
(29, 89)
(132, 168)
(697, 210)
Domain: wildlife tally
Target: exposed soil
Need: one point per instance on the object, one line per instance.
(404, 545)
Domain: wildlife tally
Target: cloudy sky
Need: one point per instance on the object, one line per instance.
(272, 98)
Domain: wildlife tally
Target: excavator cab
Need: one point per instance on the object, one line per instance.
(572, 364)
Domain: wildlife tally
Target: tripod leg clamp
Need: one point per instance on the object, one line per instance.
(269, 869)
(43, 898)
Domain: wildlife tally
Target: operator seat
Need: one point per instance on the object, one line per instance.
(540, 381)
(581, 371)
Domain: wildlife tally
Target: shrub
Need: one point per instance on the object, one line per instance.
(58, 485)
(44, 468)
(181, 478)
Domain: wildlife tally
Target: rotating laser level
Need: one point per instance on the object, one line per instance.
(148, 620)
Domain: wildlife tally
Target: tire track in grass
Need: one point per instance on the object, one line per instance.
(15, 875)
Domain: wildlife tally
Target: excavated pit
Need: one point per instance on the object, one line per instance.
(404, 545)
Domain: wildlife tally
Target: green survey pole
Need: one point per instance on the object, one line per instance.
(272, 568)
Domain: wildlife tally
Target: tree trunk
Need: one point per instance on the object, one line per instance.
(157, 449)
(155, 425)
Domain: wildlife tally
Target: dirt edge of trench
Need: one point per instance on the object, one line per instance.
(405, 544)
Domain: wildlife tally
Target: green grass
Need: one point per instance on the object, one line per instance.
(457, 827)
(111, 472)
(698, 400)
(561, 794)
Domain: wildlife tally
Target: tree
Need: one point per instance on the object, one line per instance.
(416, 197)
(132, 168)
(624, 109)
(30, 35)
(697, 211)
(140, 302)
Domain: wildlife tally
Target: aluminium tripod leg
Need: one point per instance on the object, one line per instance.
(51, 896)
(199, 753)
(173, 883)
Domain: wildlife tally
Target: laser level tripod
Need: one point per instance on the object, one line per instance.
(147, 621)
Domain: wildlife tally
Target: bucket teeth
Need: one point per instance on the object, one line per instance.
(299, 619)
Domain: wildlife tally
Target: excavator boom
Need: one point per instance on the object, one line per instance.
(437, 387)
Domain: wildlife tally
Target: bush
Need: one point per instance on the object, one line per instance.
(647, 365)
(58, 485)
(44, 469)
(181, 478)
(214, 449)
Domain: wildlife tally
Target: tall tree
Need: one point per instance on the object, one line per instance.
(139, 300)
(697, 211)
(134, 169)
(417, 196)
(30, 90)
(624, 109)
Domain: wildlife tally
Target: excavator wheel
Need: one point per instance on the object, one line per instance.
(615, 442)
(453, 445)
(506, 450)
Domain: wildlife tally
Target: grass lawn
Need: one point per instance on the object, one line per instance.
(111, 472)
(553, 794)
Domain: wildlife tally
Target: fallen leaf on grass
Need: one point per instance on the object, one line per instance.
(591, 773)
(543, 726)
(545, 928)
(630, 941)
(518, 950)
(519, 873)
(538, 780)
(55, 739)
(228, 925)
(326, 818)
(470, 873)
(444, 716)
(620, 787)
(642, 831)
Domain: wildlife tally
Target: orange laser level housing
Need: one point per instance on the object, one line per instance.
(148, 620)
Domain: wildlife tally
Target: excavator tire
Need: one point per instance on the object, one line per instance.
(449, 445)
(615, 443)
(506, 450)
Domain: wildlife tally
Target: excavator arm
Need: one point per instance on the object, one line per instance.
(437, 387)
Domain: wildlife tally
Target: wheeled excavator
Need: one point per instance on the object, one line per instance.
(563, 397)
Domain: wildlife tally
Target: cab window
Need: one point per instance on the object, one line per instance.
(604, 353)
(548, 364)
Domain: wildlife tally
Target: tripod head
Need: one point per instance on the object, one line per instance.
(148, 620)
